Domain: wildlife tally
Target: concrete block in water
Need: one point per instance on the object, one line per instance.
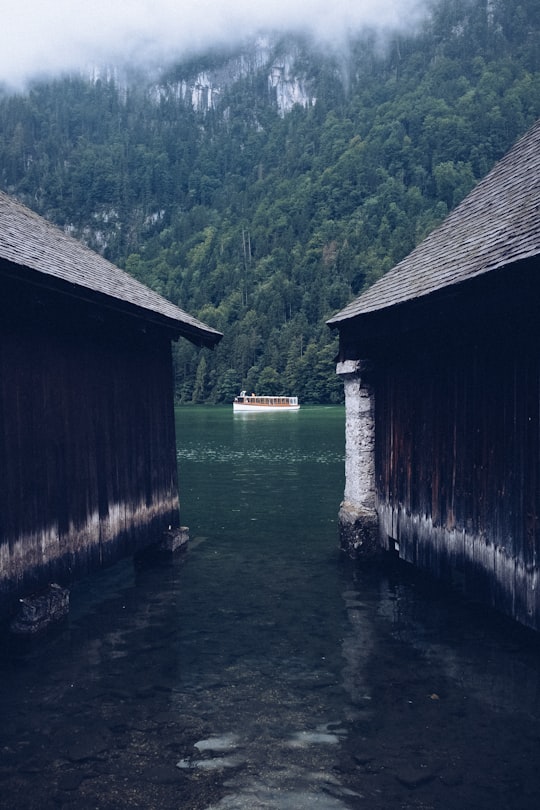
(175, 540)
(37, 611)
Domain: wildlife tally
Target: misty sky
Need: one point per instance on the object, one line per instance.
(53, 36)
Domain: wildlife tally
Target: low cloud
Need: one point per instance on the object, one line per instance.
(57, 36)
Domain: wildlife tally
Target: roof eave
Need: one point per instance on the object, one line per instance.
(193, 330)
(352, 311)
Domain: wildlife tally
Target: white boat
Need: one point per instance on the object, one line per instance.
(254, 404)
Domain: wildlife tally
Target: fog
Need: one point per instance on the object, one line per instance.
(49, 37)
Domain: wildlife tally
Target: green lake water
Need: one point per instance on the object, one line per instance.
(260, 670)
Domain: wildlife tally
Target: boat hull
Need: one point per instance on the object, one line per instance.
(242, 408)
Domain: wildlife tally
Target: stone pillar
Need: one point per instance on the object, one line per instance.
(358, 523)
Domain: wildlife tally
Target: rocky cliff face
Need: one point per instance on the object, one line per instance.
(286, 84)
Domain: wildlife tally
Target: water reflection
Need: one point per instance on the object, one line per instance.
(259, 671)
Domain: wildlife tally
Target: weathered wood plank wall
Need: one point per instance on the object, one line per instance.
(87, 446)
(458, 461)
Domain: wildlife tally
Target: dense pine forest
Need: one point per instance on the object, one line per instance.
(261, 222)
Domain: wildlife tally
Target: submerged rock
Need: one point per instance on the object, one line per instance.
(222, 743)
(302, 739)
(207, 748)
(213, 764)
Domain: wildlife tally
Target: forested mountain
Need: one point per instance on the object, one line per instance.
(263, 217)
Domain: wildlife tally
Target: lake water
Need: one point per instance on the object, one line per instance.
(259, 670)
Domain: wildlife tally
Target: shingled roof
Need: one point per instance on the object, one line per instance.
(29, 241)
(497, 224)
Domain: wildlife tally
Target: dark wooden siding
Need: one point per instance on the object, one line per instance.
(458, 458)
(87, 442)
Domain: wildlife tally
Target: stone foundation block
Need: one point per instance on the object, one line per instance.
(359, 533)
(175, 540)
(39, 610)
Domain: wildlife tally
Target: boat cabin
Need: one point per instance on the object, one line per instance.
(252, 403)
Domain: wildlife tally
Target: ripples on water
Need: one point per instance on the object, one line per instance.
(259, 672)
(228, 455)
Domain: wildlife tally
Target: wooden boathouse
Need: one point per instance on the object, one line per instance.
(441, 365)
(88, 468)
